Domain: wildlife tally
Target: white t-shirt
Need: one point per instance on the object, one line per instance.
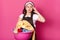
(35, 17)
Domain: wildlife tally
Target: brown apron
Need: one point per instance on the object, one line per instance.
(30, 20)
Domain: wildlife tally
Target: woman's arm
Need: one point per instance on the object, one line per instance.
(17, 26)
(40, 17)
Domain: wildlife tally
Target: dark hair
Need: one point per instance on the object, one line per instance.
(25, 11)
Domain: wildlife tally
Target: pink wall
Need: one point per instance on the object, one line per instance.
(11, 9)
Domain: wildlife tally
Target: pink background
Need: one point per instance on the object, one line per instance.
(11, 9)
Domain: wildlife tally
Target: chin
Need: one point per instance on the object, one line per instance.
(29, 11)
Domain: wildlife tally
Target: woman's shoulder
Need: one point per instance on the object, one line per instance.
(35, 16)
(21, 15)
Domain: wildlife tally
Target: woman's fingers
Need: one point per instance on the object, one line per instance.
(15, 31)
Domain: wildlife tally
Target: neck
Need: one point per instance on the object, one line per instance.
(28, 13)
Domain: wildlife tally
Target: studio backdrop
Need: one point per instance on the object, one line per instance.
(11, 9)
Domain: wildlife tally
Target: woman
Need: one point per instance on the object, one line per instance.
(31, 15)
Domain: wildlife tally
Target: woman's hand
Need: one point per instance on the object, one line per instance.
(15, 31)
(41, 18)
(35, 10)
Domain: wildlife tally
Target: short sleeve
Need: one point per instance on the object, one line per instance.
(21, 15)
(35, 17)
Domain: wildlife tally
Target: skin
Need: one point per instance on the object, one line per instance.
(29, 8)
(40, 17)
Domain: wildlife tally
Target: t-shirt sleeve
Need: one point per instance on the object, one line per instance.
(35, 17)
(21, 15)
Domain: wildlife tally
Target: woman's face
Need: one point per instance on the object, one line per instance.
(29, 8)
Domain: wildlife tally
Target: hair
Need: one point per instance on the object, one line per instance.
(25, 11)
